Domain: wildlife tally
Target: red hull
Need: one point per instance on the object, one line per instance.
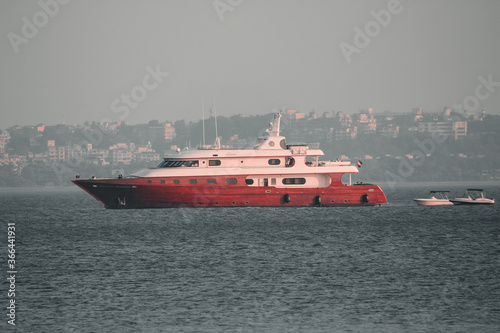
(163, 193)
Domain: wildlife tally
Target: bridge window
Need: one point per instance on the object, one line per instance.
(294, 181)
(178, 163)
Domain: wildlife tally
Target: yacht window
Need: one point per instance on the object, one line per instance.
(231, 181)
(249, 181)
(211, 181)
(273, 181)
(178, 163)
(274, 161)
(193, 181)
(294, 181)
(176, 181)
(213, 162)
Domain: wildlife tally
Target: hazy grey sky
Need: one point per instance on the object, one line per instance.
(83, 58)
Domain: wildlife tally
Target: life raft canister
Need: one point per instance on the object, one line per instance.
(365, 199)
(286, 198)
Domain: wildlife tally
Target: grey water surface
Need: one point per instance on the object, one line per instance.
(392, 268)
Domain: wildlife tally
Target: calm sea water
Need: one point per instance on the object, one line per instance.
(394, 268)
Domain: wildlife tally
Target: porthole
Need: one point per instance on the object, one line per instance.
(176, 181)
(193, 181)
(211, 181)
(216, 202)
(149, 182)
(246, 202)
(345, 200)
(234, 203)
(332, 201)
(231, 181)
(162, 182)
(271, 143)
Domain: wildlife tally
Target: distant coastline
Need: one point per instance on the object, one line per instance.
(414, 147)
(465, 183)
(429, 184)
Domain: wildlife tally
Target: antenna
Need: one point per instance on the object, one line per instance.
(217, 140)
(275, 127)
(203, 116)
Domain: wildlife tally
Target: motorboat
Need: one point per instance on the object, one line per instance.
(473, 197)
(435, 198)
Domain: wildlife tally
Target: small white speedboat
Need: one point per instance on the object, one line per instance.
(473, 197)
(435, 198)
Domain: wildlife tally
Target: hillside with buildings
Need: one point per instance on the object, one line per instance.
(415, 146)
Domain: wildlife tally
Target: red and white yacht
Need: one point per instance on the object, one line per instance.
(271, 174)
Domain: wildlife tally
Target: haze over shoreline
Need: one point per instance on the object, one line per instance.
(130, 61)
